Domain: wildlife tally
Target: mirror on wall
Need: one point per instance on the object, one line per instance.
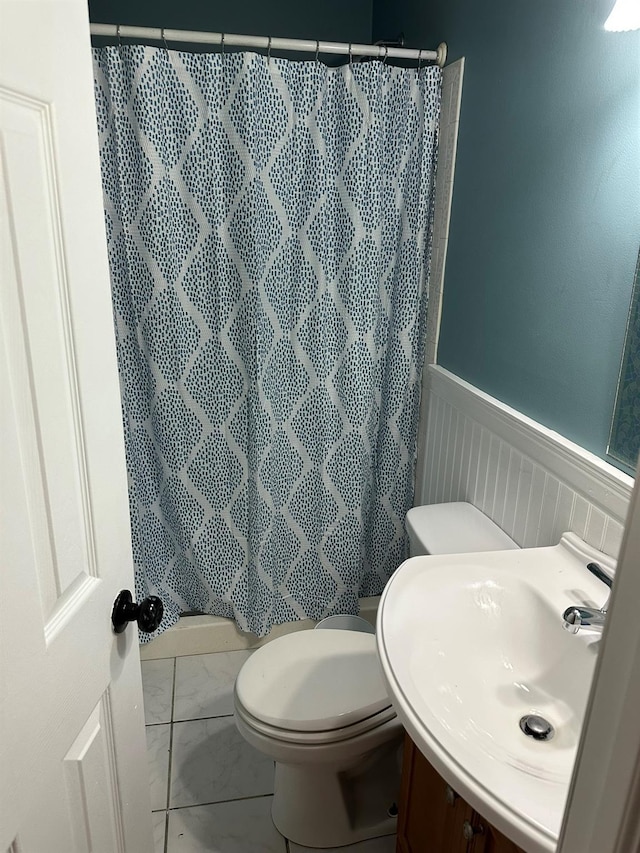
(624, 439)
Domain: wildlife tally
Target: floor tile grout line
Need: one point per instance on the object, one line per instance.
(173, 699)
(198, 719)
(173, 691)
(189, 720)
(220, 802)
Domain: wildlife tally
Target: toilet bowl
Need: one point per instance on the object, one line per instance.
(316, 703)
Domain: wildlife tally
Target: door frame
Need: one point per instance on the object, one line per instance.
(603, 806)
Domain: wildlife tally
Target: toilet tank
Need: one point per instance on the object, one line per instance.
(453, 528)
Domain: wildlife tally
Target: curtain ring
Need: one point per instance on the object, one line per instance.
(386, 54)
(419, 59)
(118, 36)
(350, 54)
(164, 41)
(222, 45)
(317, 50)
(269, 52)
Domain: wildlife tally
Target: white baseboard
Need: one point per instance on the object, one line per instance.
(199, 635)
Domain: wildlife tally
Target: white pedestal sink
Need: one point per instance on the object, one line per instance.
(471, 643)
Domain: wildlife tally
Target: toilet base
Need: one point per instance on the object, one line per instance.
(319, 807)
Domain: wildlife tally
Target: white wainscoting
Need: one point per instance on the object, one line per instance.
(534, 483)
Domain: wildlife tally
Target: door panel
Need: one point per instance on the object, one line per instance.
(72, 751)
(43, 378)
(91, 784)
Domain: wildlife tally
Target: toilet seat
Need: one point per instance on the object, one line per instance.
(321, 738)
(314, 687)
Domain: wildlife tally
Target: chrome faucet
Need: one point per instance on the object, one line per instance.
(575, 618)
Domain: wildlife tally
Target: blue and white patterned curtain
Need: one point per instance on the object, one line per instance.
(268, 226)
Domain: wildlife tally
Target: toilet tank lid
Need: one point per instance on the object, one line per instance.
(313, 681)
(455, 528)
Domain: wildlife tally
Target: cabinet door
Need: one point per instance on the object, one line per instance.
(431, 815)
(487, 839)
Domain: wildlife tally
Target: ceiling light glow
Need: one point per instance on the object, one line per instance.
(625, 15)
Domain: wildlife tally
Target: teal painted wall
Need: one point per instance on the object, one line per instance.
(546, 209)
(332, 20)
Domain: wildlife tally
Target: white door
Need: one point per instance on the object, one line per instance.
(73, 771)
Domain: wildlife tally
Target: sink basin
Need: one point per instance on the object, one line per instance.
(470, 644)
(496, 650)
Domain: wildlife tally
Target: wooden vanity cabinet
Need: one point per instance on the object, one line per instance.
(490, 840)
(432, 818)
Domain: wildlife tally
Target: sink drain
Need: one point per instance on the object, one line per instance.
(536, 727)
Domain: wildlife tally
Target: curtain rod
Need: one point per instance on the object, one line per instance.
(268, 43)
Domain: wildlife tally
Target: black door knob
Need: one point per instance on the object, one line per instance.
(148, 614)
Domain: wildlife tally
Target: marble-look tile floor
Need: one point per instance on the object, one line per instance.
(210, 791)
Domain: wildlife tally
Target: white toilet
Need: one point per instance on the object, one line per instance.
(315, 701)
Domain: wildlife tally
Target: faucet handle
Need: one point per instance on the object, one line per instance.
(598, 571)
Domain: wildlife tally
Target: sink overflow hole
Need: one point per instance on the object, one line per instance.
(536, 727)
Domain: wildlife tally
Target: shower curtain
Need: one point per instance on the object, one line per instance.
(268, 227)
